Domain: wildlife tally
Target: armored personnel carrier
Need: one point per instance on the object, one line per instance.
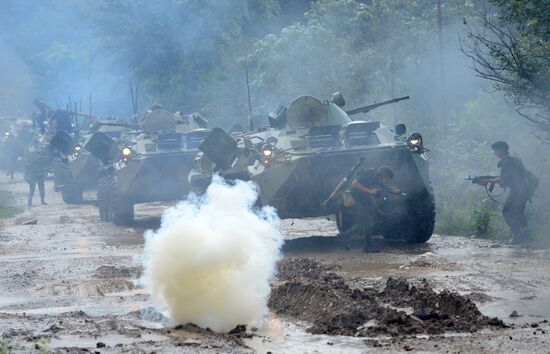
(307, 150)
(76, 169)
(150, 165)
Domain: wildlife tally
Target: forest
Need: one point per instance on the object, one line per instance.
(477, 71)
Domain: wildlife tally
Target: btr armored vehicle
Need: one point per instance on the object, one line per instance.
(298, 161)
(76, 169)
(149, 165)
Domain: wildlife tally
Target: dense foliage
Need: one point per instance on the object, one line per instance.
(513, 51)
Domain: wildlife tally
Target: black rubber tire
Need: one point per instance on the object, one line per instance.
(113, 207)
(57, 168)
(417, 225)
(104, 196)
(71, 193)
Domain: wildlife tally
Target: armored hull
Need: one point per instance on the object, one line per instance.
(161, 177)
(150, 165)
(298, 184)
(73, 176)
(310, 147)
(85, 170)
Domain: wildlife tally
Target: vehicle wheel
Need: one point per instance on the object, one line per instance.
(417, 226)
(57, 169)
(112, 205)
(123, 212)
(104, 197)
(71, 193)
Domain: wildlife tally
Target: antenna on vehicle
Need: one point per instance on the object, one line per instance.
(133, 101)
(250, 122)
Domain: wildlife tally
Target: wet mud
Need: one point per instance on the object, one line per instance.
(70, 284)
(315, 294)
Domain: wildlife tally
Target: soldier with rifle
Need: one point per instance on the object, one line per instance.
(522, 184)
(41, 116)
(359, 207)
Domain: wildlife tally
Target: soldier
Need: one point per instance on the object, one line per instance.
(41, 116)
(35, 171)
(10, 151)
(367, 189)
(515, 176)
(60, 120)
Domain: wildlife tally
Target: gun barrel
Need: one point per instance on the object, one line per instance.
(365, 109)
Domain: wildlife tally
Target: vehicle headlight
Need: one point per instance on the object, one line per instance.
(77, 149)
(267, 153)
(415, 141)
(126, 152)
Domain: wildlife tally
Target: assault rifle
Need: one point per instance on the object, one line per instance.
(343, 182)
(481, 179)
(387, 190)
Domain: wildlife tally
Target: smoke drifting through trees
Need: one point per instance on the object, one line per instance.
(512, 51)
(190, 56)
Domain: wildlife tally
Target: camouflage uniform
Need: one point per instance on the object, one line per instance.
(362, 214)
(514, 175)
(41, 116)
(35, 173)
(11, 156)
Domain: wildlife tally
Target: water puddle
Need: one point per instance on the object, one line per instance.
(295, 228)
(65, 255)
(530, 307)
(9, 301)
(109, 340)
(91, 309)
(280, 336)
(127, 293)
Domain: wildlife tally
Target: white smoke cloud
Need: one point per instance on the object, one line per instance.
(211, 260)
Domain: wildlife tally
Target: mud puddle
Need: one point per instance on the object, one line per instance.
(527, 307)
(279, 335)
(92, 309)
(68, 341)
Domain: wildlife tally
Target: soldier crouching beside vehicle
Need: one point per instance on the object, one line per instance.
(361, 206)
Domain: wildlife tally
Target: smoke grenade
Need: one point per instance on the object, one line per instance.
(211, 260)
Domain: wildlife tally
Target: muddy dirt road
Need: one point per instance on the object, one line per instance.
(69, 283)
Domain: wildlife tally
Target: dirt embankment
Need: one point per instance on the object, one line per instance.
(316, 294)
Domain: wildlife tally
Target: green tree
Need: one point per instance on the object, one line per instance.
(512, 50)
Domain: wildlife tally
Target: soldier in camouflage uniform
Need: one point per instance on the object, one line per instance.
(517, 178)
(366, 190)
(35, 171)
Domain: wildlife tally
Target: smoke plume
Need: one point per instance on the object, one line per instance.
(211, 260)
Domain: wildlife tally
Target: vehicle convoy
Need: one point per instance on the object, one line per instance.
(150, 164)
(74, 168)
(307, 150)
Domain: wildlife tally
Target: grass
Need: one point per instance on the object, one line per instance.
(7, 208)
